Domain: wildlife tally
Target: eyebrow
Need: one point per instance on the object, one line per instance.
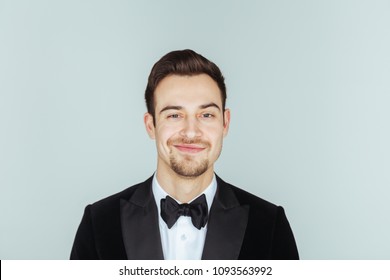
(204, 106)
(166, 108)
(212, 104)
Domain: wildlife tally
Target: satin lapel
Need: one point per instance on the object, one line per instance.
(226, 226)
(139, 219)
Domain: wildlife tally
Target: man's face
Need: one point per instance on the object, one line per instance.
(189, 124)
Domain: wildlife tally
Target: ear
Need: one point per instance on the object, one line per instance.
(149, 125)
(226, 122)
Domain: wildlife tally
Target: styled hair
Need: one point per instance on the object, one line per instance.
(182, 63)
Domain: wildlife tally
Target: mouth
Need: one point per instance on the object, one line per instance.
(188, 148)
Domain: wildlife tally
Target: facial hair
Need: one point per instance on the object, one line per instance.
(187, 166)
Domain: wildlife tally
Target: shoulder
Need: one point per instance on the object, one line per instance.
(245, 197)
(268, 233)
(113, 201)
(259, 207)
(99, 235)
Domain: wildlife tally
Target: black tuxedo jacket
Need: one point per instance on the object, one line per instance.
(240, 226)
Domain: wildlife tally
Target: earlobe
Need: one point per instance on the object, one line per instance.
(226, 121)
(149, 125)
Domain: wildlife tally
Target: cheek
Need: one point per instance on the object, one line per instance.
(214, 135)
(165, 132)
(215, 140)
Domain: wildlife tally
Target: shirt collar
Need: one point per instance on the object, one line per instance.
(159, 193)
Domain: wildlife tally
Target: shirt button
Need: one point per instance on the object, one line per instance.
(183, 237)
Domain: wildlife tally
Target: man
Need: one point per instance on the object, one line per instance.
(185, 211)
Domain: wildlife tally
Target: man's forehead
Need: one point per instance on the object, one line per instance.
(193, 81)
(184, 91)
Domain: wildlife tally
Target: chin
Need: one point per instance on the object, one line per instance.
(189, 170)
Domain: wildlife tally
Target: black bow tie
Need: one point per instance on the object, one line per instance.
(197, 210)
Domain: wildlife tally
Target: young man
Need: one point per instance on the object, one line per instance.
(185, 211)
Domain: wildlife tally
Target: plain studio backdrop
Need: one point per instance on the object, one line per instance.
(308, 86)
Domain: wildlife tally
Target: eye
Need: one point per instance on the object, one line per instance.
(207, 115)
(173, 116)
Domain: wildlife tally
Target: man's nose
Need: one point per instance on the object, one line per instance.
(191, 128)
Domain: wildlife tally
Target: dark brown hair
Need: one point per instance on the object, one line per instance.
(183, 63)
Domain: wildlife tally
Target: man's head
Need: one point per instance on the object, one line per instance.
(186, 113)
(182, 63)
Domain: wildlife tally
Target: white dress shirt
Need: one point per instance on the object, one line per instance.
(182, 241)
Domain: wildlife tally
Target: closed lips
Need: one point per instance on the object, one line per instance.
(189, 148)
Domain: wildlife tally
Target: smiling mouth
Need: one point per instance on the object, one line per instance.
(192, 149)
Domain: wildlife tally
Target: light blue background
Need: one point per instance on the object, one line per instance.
(308, 85)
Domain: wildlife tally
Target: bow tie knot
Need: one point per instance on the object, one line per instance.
(197, 210)
(184, 210)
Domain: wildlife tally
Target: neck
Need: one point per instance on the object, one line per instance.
(184, 189)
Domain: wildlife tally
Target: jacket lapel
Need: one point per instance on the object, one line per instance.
(226, 226)
(140, 230)
(225, 230)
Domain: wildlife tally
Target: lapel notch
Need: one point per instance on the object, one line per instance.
(227, 225)
(139, 220)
